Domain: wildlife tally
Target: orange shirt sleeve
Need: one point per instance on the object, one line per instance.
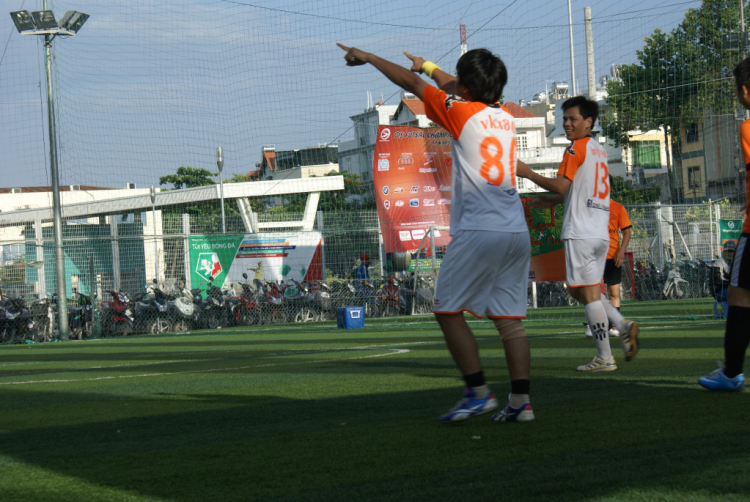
(449, 111)
(624, 219)
(745, 140)
(574, 156)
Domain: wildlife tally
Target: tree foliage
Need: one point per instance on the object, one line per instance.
(622, 191)
(680, 76)
(189, 177)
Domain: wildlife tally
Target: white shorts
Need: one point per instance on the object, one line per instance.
(485, 274)
(584, 261)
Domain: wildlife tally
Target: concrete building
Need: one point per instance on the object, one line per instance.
(85, 238)
(355, 156)
(296, 164)
(708, 163)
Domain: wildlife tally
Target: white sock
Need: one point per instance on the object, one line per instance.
(614, 315)
(597, 317)
(517, 400)
(482, 391)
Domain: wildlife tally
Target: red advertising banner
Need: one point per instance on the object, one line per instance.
(412, 179)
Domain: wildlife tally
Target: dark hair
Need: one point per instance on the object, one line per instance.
(586, 107)
(483, 74)
(742, 73)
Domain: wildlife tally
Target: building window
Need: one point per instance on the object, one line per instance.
(522, 142)
(691, 133)
(13, 252)
(694, 177)
(646, 154)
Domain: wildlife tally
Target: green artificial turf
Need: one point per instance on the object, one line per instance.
(309, 412)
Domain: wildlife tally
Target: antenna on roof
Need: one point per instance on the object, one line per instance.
(464, 47)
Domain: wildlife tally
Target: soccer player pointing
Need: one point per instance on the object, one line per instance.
(485, 269)
(583, 180)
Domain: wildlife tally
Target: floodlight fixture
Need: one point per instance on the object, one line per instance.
(219, 158)
(73, 20)
(44, 19)
(23, 20)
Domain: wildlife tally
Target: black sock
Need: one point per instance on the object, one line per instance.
(520, 386)
(736, 338)
(475, 379)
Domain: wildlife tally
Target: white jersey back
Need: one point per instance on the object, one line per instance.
(586, 213)
(483, 179)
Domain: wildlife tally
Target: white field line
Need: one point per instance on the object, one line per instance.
(168, 361)
(211, 370)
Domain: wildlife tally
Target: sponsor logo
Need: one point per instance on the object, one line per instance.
(445, 188)
(385, 134)
(208, 266)
(387, 204)
(405, 161)
(443, 202)
(404, 235)
(385, 190)
(417, 234)
(398, 190)
(414, 189)
(493, 123)
(532, 275)
(383, 164)
(427, 170)
(429, 188)
(413, 202)
(399, 203)
(428, 202)
(730, 224)
(595, 205)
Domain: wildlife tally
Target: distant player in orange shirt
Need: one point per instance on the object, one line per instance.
(583, 182)
(486, 266)
(619, 221)
(737, 334)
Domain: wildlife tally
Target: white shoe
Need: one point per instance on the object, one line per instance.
(614, 332)
(589, 334)
(597, 364)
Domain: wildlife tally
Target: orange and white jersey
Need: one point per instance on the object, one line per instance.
(483, 180)
(586, 213)
(745, 141)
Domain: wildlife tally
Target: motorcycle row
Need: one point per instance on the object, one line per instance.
(210, 307)
(677, 280)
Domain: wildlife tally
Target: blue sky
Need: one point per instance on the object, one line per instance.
(151, 85)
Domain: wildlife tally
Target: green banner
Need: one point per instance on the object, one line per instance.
(212, 257)
(729, 230)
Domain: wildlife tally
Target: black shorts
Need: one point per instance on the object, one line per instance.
(612, 274)
(740, 273)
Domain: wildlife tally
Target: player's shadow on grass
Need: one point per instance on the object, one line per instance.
(592, 439)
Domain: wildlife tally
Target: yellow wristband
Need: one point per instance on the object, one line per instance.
(428, 67)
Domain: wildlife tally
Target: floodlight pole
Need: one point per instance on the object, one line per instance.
(156, 245)
(574, 91)
(220, 164)
(62, 298)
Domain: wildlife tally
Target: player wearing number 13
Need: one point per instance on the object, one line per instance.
(583, 180)
(485, 269)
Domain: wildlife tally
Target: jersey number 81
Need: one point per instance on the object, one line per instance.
(493, 169)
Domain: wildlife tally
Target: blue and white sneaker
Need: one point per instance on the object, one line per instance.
(717, 380)
(470, 406)
(522, 414)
